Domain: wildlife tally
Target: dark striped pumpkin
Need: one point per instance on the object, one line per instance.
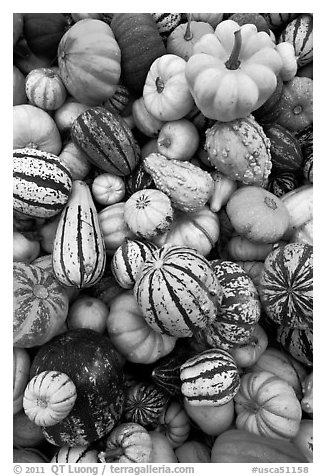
(78, 255)
(128, 260)
(166, 22)
(286, 286)
(75, 454)
(140, 44)
(118, 101)
(177, 291)
(107, 141)
(144, 404)
(286, 153)
(299, 32)
(42, 183)
(40, 305)
(297, 342)
(210, 378)
(239, 311)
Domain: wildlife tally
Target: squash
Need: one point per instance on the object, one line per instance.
(212, 420)
(88, 312)
(120, 100)
(166, 23)
(193, 451)
(26, 434)
(267, 113)
(253, 269)
(93, 364)
(49, 397)
(29, 455)
(174, 423)
(256, 19)
(247, 353)
(223, 189)
(47, 233)
(65, 115)
(212, 18)
(166, 93)
(177, 291)
(139, 178)
(240, 149)
(40, 305)
(89, 60)
(145, 121)
(78, 255)
(178, 139)
(299, 203)
(19, 95)
(297, 342)
(279, 20)
(241, 446)
(282, 182)
(108, 189)
(131, 335)
(45, 89)
(21, 367)
(127, 443)
(75, 454)
(267, 406)
(307, 390)
(290, 65)
(18, 22)
(140, 44)
(286, 286)
(286, 153)
(240, 248)
(35, 128)
(303, 234)
(75, 160)
(25, 249)
(162, 451)
(114, 227)
(214, 66)
(258, 214)
(299, 33)
(304, 439)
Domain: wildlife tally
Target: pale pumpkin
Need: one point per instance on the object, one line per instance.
(45, 89)
(174, 422)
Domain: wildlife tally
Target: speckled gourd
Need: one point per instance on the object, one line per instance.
(240, 149)
(188, 186)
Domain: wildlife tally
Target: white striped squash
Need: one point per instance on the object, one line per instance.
(166, 22)
(177, 291)
(210, 378)
(297, 342)
(299, 32)
(78, 255)
(45, 89)
(42, 183)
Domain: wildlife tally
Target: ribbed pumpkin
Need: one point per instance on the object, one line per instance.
(89, 61)
(40, 305)
(174, 423)
(45, 89)
(107, 140)
(177, 291)
(108, 189)
(42, 183)
(140, 43)
(267, 405)
(297, 342)
(286, 286)
(209, 378)
(75, 454)
(114, 227)
(78, 255)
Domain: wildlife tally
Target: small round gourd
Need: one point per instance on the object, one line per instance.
(114, 227)
(45, 89)
(174, 423)
(108, 189)
(87, 312)
(49, 397)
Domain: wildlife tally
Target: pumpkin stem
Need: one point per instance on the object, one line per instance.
(111, 454)
(188, 33)
(159, 85)
(233, 62)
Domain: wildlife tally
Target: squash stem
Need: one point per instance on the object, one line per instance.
(159, 85)
(233, 62)
(113, 453)
(188, 33)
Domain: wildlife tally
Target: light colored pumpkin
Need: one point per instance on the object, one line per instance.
(45, 89)
(87, 312)
(178, 139)
(25, 249)
(108, 189)
(174, 423)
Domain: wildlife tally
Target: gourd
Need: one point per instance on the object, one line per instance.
(174, 423)
(177, 291)
(290, 66)
(42, 183)
(280, 183)
(212, 420)
(26, 434)
(166, 23)
(21, 366)
(18, 22)
(162, 451)
(87, 312)
(193, 451)
(253, 268)
(25, 249)
(49, 398)
(19, 95)
(144, 120)
(212, 18)
(303, 234)
(299, 203)
(297, 342)
(78, 254)
(240, 248)
(108, 189)
(307, 390)
(75, 160)
(299, 33)
(40, 305)
(91, 361)
(65, 115)
(89, 60)
(256, 19)
(223, 189)
(304, 439)
(246, 354)
(267, 406)
(286, 153)
(114, 227)
(29, 455)
(45, 89)
(75, 454)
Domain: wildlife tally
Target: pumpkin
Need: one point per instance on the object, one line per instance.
(253, 269)
(286, 286)
(26, 434)
(267, 406)
(25, 249)
(212, 18)
(131, 335)
(193, 451)
(89, 61)
(240, 149)
(162, 451)
(108, 189)
(212, 72)
(140, 43)
(297, 342)
(257, 214)
(21, 366)
(174, 423)
(178, 140)
(209, 378)
(212, 420)
(35, 128)
(144, 120)
(114, 227)
(177, 291)
(307, 390)
(240, 248)
(65, 115)
(75, 454)
(247, 353)
(182, 39)
(91, 361)
(127, 443)
(75, 160)
(19, 95)
(87, 312)
(144, 404)
(290, 66)
(45, 89)
(166, 93)
(299, 33)
(242, 446)
(49, 397)
(40, 305)
(304, 439)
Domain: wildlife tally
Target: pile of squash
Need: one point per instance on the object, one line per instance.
(163, 237)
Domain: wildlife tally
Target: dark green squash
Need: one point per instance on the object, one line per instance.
(95, 367)
(281, 182)
(140, 43)
(285, 148)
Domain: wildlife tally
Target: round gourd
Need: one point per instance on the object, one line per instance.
(108, 189)
(25, 249)
(286, 286)
(40, 305)
(90, 360)
(75, 160)
(174, 423)
(177, 291)
(45, 89)
(257, 214)
(89, 61)
(49, 398)
(87, 312)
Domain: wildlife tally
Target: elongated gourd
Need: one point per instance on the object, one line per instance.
(79, 256)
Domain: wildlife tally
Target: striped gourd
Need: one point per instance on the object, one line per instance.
(286, 153)
(78, 255)
(177, 291)
(42, 183)
(239, 312)
(166, 22)
(210, 378)
(277, 20)
(281, 182)
(75, 454)
(297, 342)
(107, 140)
(286, 286)
(45, 89)
(128, 259)
(118, 101)
(299, 32)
